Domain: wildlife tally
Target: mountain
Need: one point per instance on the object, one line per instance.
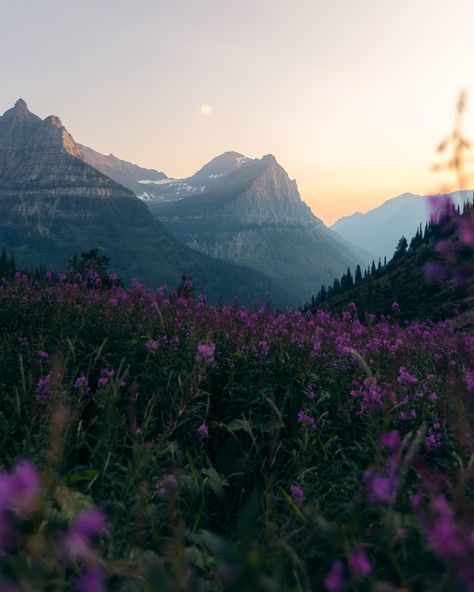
(431, 279)
(139, 180)
(53, 204)
(379, 230)
(250, 212)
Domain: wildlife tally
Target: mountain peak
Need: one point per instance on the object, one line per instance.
(19, 112)
(54, 121)
(21, 105)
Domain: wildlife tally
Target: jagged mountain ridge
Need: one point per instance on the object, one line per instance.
(379, 230)
(140, 180)
(53, 204)
(249, 211)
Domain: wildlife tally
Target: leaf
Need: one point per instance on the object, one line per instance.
(85, 475)
(215, 481)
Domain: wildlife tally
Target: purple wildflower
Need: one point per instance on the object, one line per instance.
(466, 230)
(446, 249)
(441, 206)
(381, 488)
(43, 355)
(151, 345)
(203, 430)
(90, 523)
(359, 563)
(391, 440)
(404, 377)
(25, 486)
(306, 420)
(43, 387)
(91, 581)
(205, 354)
(82, 384)
(166, 484)
(77, 542)
(470, 380)
(335, 580)
(297, 494)
(105, 377)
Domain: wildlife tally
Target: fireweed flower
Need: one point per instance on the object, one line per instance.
(205, 354)
(203, 430)
(306, 420)
(151, 345)
(18, 493)
(19, 489)
(297, 494)
(391, 440)
(168, 483)
(404, 377)
(335, 580)
(82, 384)
(43, 355)
(105, 377)
(91, 581)
(466, 230)
(470, 380)
(446, 249)
(78, 541)
(395, 307)
(359, 564)
(380, 488)
(43, 387)
(440, 206)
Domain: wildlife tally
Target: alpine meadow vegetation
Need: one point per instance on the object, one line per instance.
(152, 441)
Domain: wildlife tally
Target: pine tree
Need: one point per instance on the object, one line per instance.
(402, 248)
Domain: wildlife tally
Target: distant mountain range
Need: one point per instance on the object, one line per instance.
(379, 230)
(247, 211)
(54, 204)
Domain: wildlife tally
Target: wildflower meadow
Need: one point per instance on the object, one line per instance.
(152, 441)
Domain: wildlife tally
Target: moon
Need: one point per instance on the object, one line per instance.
(206, 109)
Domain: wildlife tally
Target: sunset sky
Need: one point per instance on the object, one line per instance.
(350, 96)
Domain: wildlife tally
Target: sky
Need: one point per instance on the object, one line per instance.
(351, 96)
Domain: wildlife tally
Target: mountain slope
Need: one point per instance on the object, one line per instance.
(53, 204)
(248, 211)
(433, 279)
(378, 230)
(138, 179)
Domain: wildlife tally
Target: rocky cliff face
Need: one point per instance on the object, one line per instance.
(249, 211)
(53, 204)
(40, 157)
(232, 186)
